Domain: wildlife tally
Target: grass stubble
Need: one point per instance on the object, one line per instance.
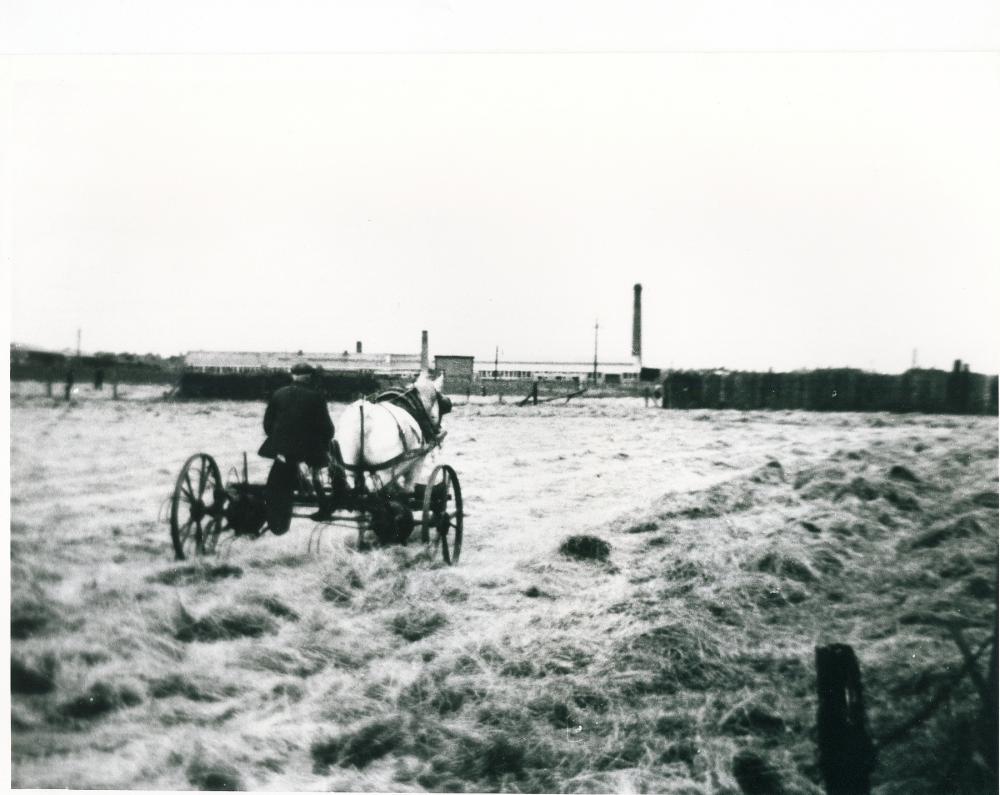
(669, 650)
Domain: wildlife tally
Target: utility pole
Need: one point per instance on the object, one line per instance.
(496, 374)
(595, 351)
(79, 334)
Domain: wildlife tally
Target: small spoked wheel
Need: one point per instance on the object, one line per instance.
(197, 510)
(441, 522)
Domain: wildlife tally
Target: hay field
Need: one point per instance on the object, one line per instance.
(682, 663)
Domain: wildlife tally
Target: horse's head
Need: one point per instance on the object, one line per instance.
(431, 391)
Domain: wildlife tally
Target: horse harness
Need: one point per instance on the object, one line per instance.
(409, 401)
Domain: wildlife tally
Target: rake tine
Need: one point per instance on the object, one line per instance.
(970, 662)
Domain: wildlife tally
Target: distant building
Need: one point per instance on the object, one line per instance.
(458, 372)
(577, 372)
(396, 365)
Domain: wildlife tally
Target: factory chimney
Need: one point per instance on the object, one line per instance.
(637, 325)
(425, 362)
(357, 346)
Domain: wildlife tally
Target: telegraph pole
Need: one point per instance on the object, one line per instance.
(595, 351)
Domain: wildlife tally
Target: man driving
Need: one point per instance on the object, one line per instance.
(299, 430)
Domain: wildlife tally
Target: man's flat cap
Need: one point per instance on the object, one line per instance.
(303, 369)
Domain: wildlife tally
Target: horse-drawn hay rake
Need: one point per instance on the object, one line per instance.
(205, 512)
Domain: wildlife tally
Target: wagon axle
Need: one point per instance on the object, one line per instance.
(202, 509)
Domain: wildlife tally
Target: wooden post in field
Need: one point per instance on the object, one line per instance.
(48, 386)
(846, 752)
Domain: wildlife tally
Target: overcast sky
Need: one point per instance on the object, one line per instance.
(781, 210)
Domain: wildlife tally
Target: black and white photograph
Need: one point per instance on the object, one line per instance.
(447, 396)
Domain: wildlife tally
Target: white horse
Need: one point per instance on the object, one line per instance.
(386, 438)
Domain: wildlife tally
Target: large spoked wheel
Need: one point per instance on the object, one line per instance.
(197, 510)
(441, 522)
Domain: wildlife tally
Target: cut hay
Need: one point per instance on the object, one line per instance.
(357, 748)
(687, 666)
(584, 547)
(225, 623)
(964, 527)
(416, 623)
(100, 698)
(34, 677)
(787, 563)
(192, 687)
(211, 772)
(31, 614)
(188, 575)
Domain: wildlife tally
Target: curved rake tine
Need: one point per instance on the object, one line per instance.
(185, 530)
(163, 514)
(318, 536)
(315, 531)
(227, 544)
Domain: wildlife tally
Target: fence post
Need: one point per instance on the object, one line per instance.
(846, 752)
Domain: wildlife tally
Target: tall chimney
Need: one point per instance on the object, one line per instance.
(357, 346)
(637, 325)
(425, 363)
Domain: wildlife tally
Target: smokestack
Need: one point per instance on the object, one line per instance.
(425, 363)
(637, 325)
(357, 346)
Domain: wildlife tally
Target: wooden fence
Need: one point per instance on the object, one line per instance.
(929, 391)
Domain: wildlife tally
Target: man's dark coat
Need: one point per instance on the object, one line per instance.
(298, 426)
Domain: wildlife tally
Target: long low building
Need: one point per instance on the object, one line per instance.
(236, 362)
(458, 369)
(578, 372)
